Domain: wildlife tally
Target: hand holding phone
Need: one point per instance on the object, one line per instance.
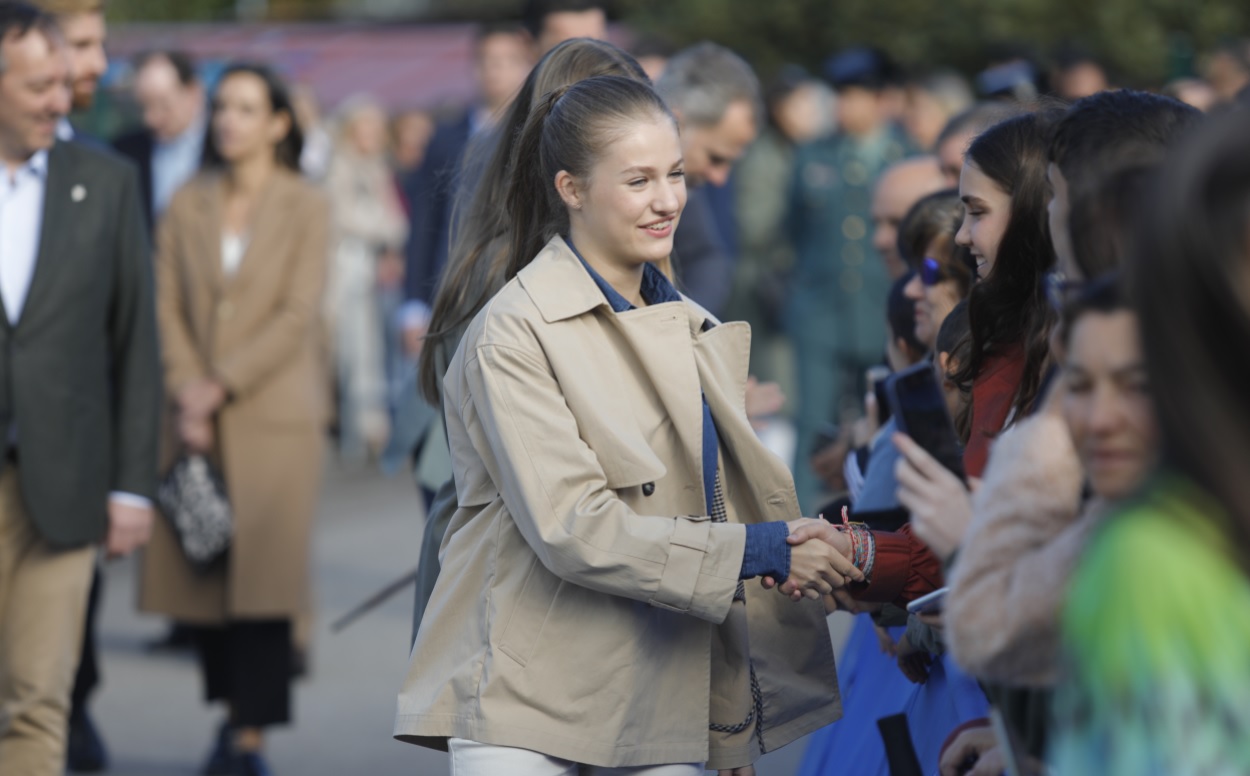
(919, 409)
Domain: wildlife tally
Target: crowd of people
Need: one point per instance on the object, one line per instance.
(634, 322)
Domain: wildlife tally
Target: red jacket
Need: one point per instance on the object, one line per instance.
(905, 568)
(993, 393)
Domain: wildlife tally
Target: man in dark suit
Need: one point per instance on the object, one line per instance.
(716, 98)
(168, 148)
(501, 63)
(80, 389)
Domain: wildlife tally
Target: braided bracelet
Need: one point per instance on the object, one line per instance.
(863, 544)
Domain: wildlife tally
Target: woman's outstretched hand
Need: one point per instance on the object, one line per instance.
(819, 562)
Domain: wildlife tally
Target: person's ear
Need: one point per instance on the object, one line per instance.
(569, 190)
(946, 365)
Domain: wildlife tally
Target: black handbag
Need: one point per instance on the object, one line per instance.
(193, 498)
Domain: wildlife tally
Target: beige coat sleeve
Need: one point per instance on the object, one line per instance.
(244, 369)
(1011, 576)
(182, 360)
(556, 491)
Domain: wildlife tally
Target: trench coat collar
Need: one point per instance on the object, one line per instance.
(560, 285)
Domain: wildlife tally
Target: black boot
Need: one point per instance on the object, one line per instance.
(85, 752)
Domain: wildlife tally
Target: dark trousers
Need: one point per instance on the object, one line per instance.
(247, 663)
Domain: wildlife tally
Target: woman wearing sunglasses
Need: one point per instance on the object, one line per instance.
(944, 271)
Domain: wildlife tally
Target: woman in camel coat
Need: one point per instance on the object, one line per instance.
(241, 261)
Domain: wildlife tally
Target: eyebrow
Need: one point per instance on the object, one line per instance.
(968, 199)
(646, 169)
(1123, 371)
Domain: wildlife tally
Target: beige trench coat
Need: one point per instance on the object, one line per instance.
(259, 332)
(584, 609)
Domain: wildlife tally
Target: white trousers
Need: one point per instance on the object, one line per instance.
(469, 758)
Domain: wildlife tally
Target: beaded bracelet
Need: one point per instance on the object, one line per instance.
(863, 544)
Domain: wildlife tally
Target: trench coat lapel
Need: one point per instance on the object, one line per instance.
(207, 244)
(266, 227)
(268, 232)
(723, 355)
(660, 337)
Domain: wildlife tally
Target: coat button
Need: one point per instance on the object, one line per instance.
(648, 489)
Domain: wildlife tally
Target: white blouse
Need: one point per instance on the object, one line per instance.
(232, 248)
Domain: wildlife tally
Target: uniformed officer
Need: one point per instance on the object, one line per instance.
(836, 315)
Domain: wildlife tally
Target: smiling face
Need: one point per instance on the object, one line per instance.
(932, 302)
(987, 213)
(34, 94)
(624, 213)
(1107, 405)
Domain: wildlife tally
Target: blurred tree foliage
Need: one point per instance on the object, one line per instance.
(1144, 41)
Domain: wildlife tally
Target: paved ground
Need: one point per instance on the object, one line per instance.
(150, 708)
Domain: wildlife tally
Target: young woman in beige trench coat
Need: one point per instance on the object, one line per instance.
(591, 615)
(242, 255)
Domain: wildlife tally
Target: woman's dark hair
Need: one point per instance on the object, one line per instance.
(788, 80)
(1105, 145)
(901, 316)
(289, 148)
(953, 330)
(937, 215)
(1010, 307)
(481, 230)
(568, 131)
(1098, 296)
(1187, 278)
(954, 338)
(1100, 216)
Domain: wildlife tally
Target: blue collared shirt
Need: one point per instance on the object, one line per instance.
(174, 162)
(767, 553)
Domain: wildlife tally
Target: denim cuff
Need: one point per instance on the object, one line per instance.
(767, 552)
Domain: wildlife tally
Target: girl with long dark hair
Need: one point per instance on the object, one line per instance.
(1004, 191)
(612, 495)
(480, 264)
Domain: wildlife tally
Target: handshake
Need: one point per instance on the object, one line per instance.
(822, 562)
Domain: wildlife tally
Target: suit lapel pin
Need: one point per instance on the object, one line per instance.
(78, 193)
